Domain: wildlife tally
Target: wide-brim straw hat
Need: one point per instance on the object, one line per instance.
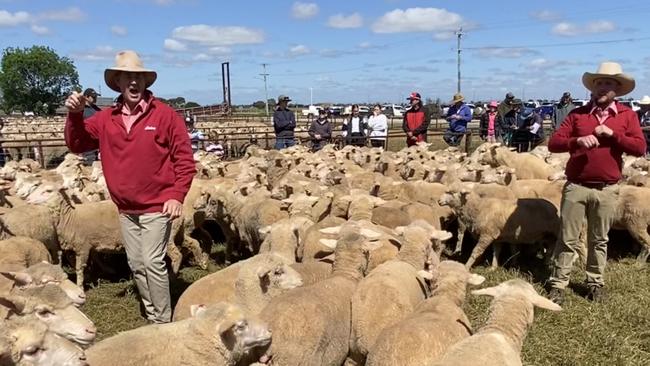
(458, 97)
(645, 100)
(610, 70)
(128, 61)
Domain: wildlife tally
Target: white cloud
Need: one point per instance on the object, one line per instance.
(546, 15)
(119, 30)
(299, 50)
(40, 30)
(506, 52)
(304, 10)
(99, 53)
(570, 29)
(207, 35)
(201, 57)
(174, 45)
(444, 36)
(72, 14)
(8, 19)
(345, 22)
(418, 20)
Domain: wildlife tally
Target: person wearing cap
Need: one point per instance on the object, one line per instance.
(458, 116)
(416, 120)
(90, 107)
(284, 123)
(489, 129)
(148, 165)
(562, 109)
(644, 119)
(508, 122)
(506, 105)
(529, 132)
(193, 133)
(320, 130)
(596, 136)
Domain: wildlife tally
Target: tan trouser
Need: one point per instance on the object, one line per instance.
(145, 240)
(599, 208)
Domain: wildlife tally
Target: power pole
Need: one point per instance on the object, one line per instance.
(460, 35)
(266, 92)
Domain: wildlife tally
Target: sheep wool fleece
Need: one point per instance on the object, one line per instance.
(145, 241)
(599, 208)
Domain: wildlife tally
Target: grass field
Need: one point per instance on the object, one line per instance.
(616, 332)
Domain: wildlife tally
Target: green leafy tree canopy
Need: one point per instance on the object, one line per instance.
(36, 79)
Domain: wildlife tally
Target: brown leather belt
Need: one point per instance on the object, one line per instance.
(595, 185)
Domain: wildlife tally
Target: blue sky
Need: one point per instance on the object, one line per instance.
(346, 51)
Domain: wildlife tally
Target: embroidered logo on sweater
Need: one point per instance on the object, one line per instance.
(149, 128)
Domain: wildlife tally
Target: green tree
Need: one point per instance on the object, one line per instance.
(191, 105)
(259, 104)
(36, 79)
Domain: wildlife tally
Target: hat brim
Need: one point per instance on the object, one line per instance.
(454, 101)
(626, 81)
(110, 73)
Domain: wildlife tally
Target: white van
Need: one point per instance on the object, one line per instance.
(393, 110)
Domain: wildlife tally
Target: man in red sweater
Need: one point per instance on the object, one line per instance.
(148, 165)
(596, 136)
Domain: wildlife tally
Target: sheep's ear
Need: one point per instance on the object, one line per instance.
(441, 235)
(263, 272)
(288, 200)
(14, 303)
(331, 230)
(475, 279)
(330, 243)
(425, 274)
(19, 278)
(400, 230)
(377, 201)
(197, 309)
(544, 303)
(371, 245)
(312, 199)
(265, 230)
(370, 234)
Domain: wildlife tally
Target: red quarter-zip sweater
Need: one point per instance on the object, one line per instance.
(603, 163)
(143, 168)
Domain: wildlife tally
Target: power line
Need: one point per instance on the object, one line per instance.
(549, 45)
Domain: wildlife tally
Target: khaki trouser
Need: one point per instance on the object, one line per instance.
(145, 240)
(599, 208)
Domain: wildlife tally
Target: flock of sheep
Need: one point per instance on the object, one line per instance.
(344, 257)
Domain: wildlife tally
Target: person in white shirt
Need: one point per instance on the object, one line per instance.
(378, 127)
(355, 128)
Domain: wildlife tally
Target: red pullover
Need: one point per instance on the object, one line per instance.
(143, 168)
(602, 164)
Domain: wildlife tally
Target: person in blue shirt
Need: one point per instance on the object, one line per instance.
(458, 116)
(195, 135)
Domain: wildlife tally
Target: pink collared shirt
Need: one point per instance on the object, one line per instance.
(130, 116)
(602, 115)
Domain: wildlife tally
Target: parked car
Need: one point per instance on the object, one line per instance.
(580, 102)
(546, 110)
(311, 111)
(336, 110)
(632, 104)
(393, 110)
(363, 110)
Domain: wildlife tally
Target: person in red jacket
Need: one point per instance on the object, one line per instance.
(416, 121)
(147, 161)
(595, 136)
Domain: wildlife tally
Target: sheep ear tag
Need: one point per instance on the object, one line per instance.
(425, 274)
(330, 243)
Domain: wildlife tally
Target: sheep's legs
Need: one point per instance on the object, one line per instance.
(175, 257)
(496, 251)
(483, 243)
(195, 248)
(639, 232)
(461, 235)
(81, 260)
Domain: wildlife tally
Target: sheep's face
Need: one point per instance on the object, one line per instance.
(68, 322)
(243, 334)
(448, 199)
(26, 188)
(41, 194)
(26, 344)
(56, 276)
(281, 277)
(59, 351)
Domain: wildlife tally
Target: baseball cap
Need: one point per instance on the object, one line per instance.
(510, 96)
(414, 95)
(90, 92)
(283, 98)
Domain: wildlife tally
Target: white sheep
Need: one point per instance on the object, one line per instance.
(499, 341)
(396, 284)
(222, 334)
(311, 324)
(436, 324)
(40, 274)
(22, 251)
